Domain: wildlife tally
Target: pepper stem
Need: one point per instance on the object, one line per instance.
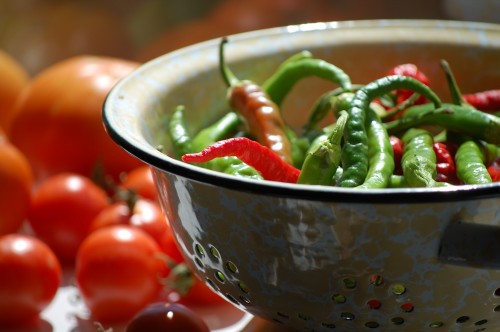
(227, 75)
(456, 95)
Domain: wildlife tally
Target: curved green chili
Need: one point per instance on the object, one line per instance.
(465, 120)
(419, 159)
(323, 158)
(469, 161)
(181, 140)
(288, 74)
(355, 150)
(381, 154)
(223, 128)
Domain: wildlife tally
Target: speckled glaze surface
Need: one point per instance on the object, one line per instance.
(320, 258)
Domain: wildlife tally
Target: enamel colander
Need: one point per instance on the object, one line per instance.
(319, 258)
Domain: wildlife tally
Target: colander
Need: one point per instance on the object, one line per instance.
(318, 258)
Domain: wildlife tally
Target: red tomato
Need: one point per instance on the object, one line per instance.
(13, 78)
(16, 180)
(58, 125)
(62, 209)
(118, 271)
(172, 317)
(141, 181)
(143, 214)
(29, 278)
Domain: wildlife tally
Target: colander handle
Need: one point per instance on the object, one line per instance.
(470, 244)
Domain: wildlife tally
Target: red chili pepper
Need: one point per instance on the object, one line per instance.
(397, 148)
(494, 170)
(486, 101)
(256, 155)
(445, 164)
(409, 69)
(262, 115)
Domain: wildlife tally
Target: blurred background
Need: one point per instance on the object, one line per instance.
(39, 33)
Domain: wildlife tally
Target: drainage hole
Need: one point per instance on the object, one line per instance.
(462, 319)
(372, 325)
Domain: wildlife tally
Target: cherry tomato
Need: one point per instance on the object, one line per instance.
(172, 317)
(118, 272)
(141, 181)
(62, 209)
(30, 275)
(144, 214)
(13, 78)
(58, 125)
(16, 180)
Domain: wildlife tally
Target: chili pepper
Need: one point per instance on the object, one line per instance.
(468, 121)
(445, 164)
(398, 181)
(288, 74)
(380, 151)
(181, 141)
(355, 150)
(470, 165)
(258, 156)
(494, 170)
(411, 70)
(395, 111)
(397, 150)
(261, 114)
(221, 129)
(456, 94)
(323, 158)
(419, 159)
(486, 101)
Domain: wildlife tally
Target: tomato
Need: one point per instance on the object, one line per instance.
(141, 181)
(117, 272)
(143, 214)
(16, 180)
(58, 125)
(13, 78)
(172, 317)
(62, 209)
(30, 275)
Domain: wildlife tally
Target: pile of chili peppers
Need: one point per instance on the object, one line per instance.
(392, 132)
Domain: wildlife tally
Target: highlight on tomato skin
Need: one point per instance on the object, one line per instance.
(29, 279)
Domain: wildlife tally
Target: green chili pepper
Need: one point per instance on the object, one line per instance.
(465, 120)
(469, 161)
(181, 141)
(289, 73)
(419, 159)
(355, 151)
(323, 158)
(223, 128)
(381, 154)
(398, 181)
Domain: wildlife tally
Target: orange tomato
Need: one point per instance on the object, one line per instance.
(59, 126)
(16, 180)
(13, 78)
